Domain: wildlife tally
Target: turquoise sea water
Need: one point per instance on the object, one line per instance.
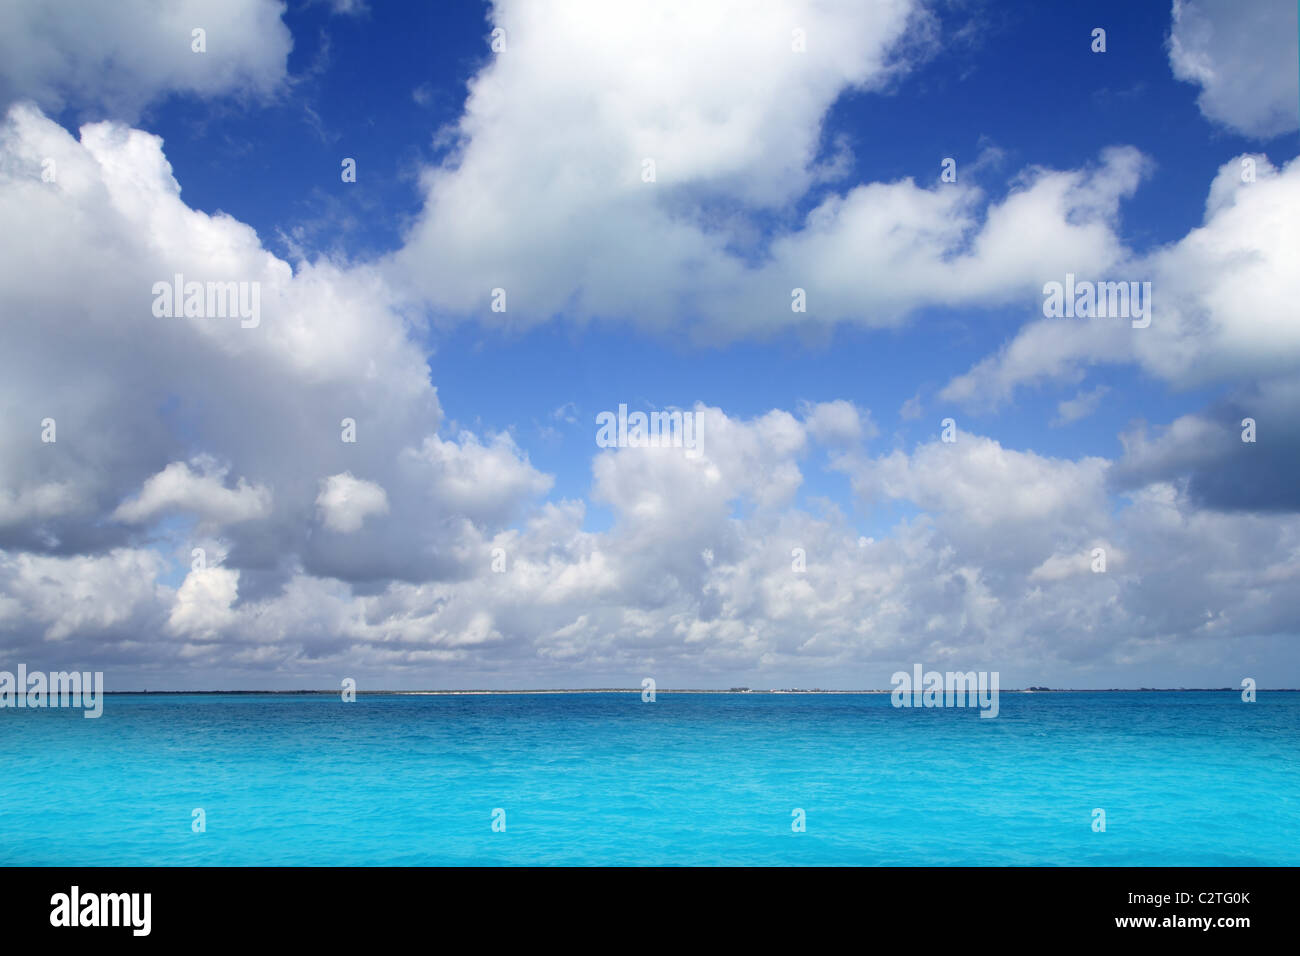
(1185, 778)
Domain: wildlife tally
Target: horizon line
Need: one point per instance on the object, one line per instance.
(696, 690)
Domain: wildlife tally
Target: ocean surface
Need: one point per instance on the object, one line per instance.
(1195, 778)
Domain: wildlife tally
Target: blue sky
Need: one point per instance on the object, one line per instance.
(776, 170)
(357, 79)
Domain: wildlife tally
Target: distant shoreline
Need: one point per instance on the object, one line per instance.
(662, 690)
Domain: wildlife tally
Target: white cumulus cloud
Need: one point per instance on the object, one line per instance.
(345, 502)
